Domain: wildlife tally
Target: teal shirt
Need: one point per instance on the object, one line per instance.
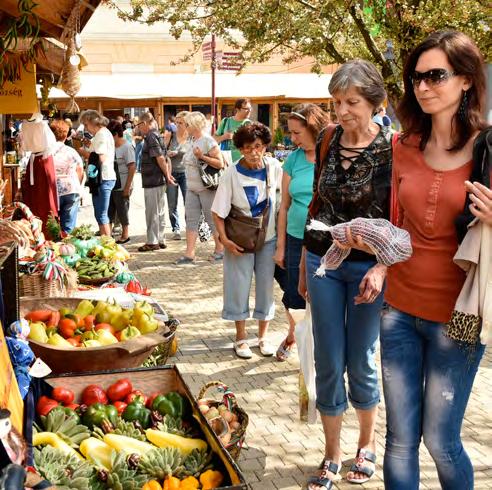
(230, 124)
(301, 174)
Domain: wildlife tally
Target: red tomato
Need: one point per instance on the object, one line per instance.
(67, 327)
(63, 395)
(94, 394)
(120, 406)
(72, 406)
(136, 394)
(119, 390)
(105, 326)
(45, 405)
(89, 322)
(150, 400)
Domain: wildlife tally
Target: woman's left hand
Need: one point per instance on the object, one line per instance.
(371, 285)
(198, 152)
(481, 198)
(357, 243)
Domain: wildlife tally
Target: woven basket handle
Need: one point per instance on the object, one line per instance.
(229, 399)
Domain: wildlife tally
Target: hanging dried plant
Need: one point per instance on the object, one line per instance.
(70, 77)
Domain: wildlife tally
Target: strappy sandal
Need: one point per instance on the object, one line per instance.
(326, 465)
(359, 467)
(284, 350)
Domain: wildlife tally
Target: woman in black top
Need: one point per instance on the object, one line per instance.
(352, 179)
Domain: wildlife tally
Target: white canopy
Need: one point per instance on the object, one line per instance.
(189, 85)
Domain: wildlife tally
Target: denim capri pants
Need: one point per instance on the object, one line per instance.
(345, 337)
(101, 201)
(288, 278)
(238, 275)
(197, 203)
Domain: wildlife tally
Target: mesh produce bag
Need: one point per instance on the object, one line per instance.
(389, 243)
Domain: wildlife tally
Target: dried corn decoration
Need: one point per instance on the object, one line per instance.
(70, 77)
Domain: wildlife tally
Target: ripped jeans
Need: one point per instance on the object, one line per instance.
(427, 380)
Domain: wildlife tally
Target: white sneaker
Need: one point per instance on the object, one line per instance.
(266, 349)
(241, 348)
(176, 235)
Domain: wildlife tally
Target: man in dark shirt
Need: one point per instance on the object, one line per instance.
(156, 171)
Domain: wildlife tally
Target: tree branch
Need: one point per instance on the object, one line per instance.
(307, 5)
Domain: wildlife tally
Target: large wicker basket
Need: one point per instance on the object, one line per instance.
(229, 400)
(35, 285)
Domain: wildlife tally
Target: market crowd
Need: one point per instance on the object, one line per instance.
(329, 225)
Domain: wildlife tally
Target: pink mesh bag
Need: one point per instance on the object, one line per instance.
(389, 243)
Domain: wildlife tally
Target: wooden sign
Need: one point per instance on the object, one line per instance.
(20, 97)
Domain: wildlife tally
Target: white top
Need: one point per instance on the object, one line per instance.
(103, 144)
(66, 161)
(246, 189)
(193, 180)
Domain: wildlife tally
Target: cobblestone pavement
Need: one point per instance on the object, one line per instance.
(281, 451)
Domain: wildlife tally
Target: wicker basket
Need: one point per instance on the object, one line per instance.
(36, 285)
(229, 400)
(162, 352)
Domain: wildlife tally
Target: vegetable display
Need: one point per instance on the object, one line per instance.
(118, 438)
(91, 324)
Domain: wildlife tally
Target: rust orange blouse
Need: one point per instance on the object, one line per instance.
(427, 285)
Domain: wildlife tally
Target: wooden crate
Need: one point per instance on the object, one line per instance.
(149, 380)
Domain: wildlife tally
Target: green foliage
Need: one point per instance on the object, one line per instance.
(328, 31)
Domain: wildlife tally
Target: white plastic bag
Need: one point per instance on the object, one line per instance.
(305, 349)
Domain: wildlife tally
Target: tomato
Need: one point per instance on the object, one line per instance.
(75, 341)
(63, 395)
(67, 327)
(89, 322)
(136, 394)
(120, 406)
(73, 406)
(45, 405)
(150, 399)
(94, 394)
(105, 326)
(119, 390)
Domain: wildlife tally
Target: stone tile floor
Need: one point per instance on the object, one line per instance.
(281, 451)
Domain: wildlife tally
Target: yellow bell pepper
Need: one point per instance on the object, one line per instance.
(189, 483)
(171, 483)
(152, 485)
(211, 479)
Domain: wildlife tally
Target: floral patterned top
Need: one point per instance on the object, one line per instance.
(360, 191)
(66, 161)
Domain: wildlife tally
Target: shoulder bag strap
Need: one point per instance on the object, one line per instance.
(393, 191)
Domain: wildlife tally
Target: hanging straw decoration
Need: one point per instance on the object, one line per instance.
(70, 77)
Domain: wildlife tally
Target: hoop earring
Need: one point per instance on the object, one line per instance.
(463, 108)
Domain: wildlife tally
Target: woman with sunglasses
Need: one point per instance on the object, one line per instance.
(427, 376)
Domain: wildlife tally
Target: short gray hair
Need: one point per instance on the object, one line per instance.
(362, 75)
(93, 117)
(146, 117)
(196, 120)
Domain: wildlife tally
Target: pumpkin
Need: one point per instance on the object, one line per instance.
(67, 249)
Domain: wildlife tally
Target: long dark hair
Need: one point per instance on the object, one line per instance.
(466, 59)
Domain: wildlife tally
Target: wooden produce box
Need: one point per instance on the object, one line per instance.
(149, 380)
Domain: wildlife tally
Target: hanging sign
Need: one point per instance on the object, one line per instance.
(20, 97)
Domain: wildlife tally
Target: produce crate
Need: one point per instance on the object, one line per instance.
(162, 378)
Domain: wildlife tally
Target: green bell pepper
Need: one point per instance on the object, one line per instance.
(137, 412)
(172, 404)
(97, 413)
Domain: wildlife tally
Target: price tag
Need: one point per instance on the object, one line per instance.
(39, 369)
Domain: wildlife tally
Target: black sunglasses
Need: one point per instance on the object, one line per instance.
(432, 77)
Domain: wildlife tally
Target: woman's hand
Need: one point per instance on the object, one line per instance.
(481, 198)
(357, 243)
(279, 256)
(197, 152)
(232, 247)
(371, 285)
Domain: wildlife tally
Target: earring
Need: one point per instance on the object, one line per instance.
(463, 108)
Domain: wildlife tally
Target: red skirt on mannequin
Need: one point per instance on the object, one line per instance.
(41, 196)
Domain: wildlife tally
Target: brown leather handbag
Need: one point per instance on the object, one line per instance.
(246, 231)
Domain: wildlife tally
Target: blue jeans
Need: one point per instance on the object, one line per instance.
(138, 155)
(345, 337)
(238, 276)
(427, 380)
(101, 201)
(172, 198)
(69, 208)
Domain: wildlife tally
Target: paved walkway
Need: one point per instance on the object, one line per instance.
(282, 452)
